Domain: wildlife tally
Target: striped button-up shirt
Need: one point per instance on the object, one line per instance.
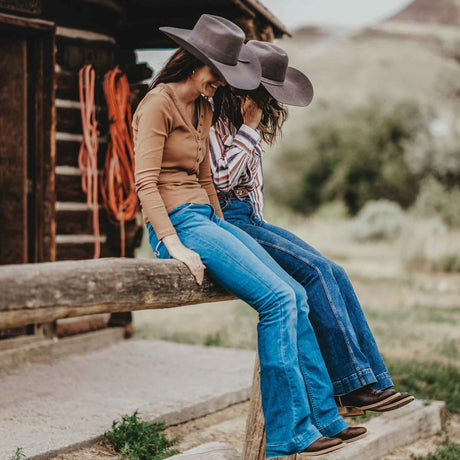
(236, 160)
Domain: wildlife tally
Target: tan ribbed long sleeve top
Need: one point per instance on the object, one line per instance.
(171, 158)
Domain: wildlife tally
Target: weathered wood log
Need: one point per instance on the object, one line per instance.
(36, 293)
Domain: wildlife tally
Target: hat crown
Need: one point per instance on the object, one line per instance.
(219, 38)
(273, 60)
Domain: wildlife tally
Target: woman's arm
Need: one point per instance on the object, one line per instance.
(153, 126)
(205, 179)
(228, 163)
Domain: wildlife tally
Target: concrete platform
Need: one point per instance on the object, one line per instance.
(385, 433)
(52, 408)
(391, 430)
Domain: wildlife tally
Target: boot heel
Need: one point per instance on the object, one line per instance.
(350, 411)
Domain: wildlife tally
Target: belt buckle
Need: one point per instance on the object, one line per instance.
(239, 192)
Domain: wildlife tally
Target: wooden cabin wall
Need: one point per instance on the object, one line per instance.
(74, 228)
(26, 149)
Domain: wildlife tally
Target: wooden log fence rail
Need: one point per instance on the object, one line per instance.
(44, 292)
(37, 293)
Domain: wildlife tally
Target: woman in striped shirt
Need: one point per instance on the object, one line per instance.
(360, 379)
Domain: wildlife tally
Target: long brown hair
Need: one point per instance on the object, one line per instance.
(178, 67)
(274, 114)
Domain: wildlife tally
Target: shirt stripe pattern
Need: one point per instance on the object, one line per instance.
(236, 160)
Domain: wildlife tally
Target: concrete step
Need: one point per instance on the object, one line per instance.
(51, 408)
(209, 451)
(385, 433)
(390, 430)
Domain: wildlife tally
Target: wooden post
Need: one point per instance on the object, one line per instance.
(254, 444)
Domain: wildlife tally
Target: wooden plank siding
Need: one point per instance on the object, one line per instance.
(76, 48)
(13, 151)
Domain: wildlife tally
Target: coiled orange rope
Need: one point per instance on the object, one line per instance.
(87, 156)
(117, 179)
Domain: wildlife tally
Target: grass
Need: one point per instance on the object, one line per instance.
(213, 340)
(450, 348)
(448, 450)
(136, 439)
(428, 381)
(18, 455)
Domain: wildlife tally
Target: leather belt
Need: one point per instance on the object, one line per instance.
(235, 194)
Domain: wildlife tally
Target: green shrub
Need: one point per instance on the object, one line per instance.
(137, 440)
(435, 199)
(353, 155)
(378, 220)
(19, 454)
(428, 244)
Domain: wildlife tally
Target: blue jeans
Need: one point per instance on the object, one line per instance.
(297, 395)
(344, 337)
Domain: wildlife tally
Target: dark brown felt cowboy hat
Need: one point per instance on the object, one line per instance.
(219, 43)
(286, 84)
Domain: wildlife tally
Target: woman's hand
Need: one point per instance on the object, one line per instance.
(251, 113)
(190, 258)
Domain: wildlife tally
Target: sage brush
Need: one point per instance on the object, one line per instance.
(136, 439)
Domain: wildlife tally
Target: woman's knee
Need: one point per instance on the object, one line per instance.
(337, 269)
(300, 295)
(278, 301)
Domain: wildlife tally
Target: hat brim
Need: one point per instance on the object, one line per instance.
(295, 90)
(244, 75)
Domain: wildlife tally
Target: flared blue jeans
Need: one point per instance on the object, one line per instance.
(297, 394)
(348, 347)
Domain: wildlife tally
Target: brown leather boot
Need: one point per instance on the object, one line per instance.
(322, 446)
(403, 399)
(352, 433)
(358, 401)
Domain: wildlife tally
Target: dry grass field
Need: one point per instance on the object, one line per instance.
(413, 312)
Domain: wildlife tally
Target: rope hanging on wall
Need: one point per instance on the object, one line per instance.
(87, 156)
(117, 179)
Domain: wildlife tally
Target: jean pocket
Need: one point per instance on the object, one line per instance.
(158, 247)
(224, 204)
(179, 209)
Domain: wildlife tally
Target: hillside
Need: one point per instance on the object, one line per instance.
(402, 58)
(429, 11)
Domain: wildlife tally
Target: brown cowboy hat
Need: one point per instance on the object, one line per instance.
(219, 43)
(286, 84)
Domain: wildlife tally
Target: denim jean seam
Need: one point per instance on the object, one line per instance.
(331, 304)
(261, 280)
(386, 373)
(294, 440)
(322, 427)
(314, 409)
(360, 375)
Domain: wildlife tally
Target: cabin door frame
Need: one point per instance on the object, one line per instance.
(27, 163)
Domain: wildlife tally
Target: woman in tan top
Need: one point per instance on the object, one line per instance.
(183, 217)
